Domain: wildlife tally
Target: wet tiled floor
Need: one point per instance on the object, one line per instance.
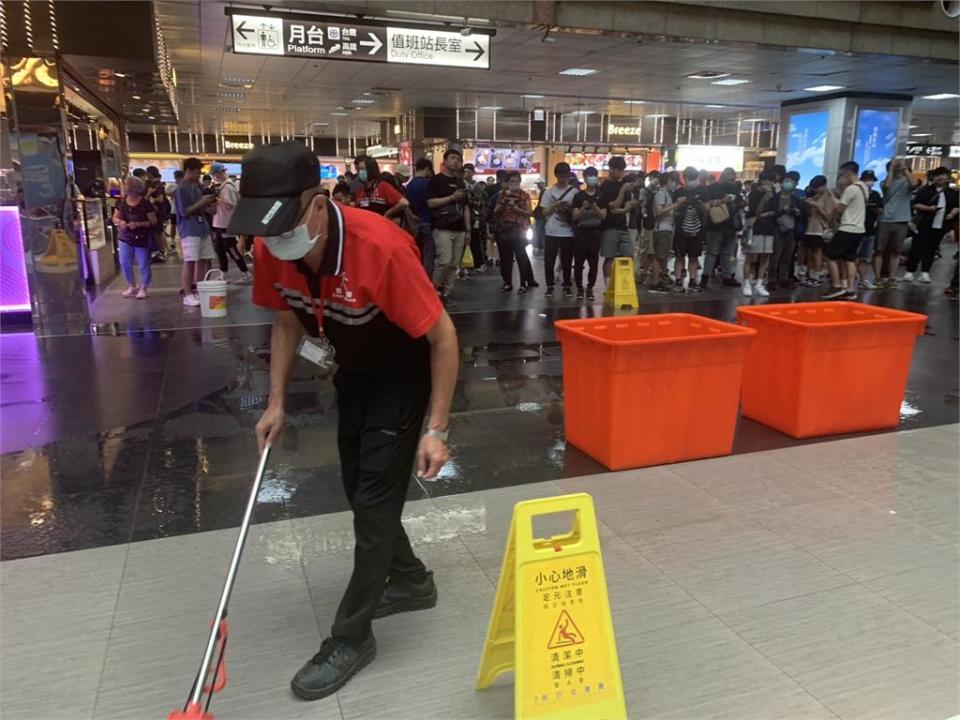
(143, 429)
(816, 581)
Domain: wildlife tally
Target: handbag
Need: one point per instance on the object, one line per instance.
(719, 212)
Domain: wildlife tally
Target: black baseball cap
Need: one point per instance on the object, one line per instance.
(271, 181)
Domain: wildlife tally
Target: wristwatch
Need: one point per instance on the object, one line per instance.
(440, 435)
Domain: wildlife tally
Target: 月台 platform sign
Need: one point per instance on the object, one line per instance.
(323, 39)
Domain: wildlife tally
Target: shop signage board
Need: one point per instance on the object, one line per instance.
(296, 37)
(924, 150)
(551, 621)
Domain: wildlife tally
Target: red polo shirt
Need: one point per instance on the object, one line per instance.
(371, 296)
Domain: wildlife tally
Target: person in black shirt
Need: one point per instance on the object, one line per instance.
(689, 230)
(447, 198)
(588, 219)
(758, 243)
(615, 196)
(722, 207)
(935, 206)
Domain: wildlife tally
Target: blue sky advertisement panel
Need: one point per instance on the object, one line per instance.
(807, 144)
(875, 141)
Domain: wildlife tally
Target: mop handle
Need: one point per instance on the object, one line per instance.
(231, 576)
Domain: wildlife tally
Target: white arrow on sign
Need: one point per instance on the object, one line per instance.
(373, 43)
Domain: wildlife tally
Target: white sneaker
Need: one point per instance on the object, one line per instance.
(924, 277)
(191, 301)
(868, 284)
(747, 288)
(761, 290)
(245, 279)
(908, 277)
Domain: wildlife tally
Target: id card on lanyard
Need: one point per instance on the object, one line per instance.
(317, 350)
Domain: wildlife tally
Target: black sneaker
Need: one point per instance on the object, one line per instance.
(590, 297)
(834, 294)
(704, 282)
(580, 293)
(849, 295)
(404, 597)
(549, 292)
(659, 289)
(677, 287)
(696, 288)
(567, 293)
(731, 282)
(331, 668)
(507, 288)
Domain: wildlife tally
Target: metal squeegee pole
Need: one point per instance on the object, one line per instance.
(231, 575)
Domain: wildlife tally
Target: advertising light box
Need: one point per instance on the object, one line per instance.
(710, 157)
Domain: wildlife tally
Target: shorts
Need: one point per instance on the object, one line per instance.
(890, 237)
(759, 245)
(867, 247)
(662, 242)
(814, 242)
(690, 246)
(197, 248)
(844, 246)
(616, 243)
(645, 243)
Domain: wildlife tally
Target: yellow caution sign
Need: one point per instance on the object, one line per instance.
(622, 286)
(551, 620)
(61, 250)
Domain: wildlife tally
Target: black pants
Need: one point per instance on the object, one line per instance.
(512, 244)
(553, 245)
(924, 248)
(586, 248)
(225, 246)
(378, 432)
(477, 248)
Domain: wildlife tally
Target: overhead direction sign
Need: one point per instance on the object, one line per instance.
(324, 39)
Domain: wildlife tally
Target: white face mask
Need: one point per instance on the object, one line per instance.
(293, 244)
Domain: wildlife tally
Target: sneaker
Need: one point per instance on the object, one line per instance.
(677, 287)
(331, 668)
(245, 279)
(704, 283)
(951, 291)
(590, 297)
(142, 295)
(924, 277)
(834, 294)
(507, 287)
(761, 290)
(747, 288)
(533, 284)
(567, 293)
(730, 282)
(130, 291)
(522, 289)
(659, 289)
(868, 285)
(579, 293)
(696, 288)
(405, 597)
(849, 296)
(191, 301)
(549, 292)
(908, 277)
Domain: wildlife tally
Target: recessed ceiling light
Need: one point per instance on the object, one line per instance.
(135, 97)
(714, 106)
(730, 81)
(532, 97)
(634, 102)
(363, 101)
(707, 75)
(823, 88)
(920, 134)
(658, 115)
(941, 96)
(754, 119)
(232, 95)
(339, 114)
(490, 107)
(120, 75)
(150, 117)
(578, 72)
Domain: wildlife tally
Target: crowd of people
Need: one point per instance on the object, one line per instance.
(687, 231)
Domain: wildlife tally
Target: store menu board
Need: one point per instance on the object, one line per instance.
(581, 161)
(489, 158)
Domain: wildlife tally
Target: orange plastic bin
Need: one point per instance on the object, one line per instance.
(827, 367)
(650, 389)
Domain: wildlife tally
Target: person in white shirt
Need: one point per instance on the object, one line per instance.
(843, 248)
(223, 244)
(557, 204)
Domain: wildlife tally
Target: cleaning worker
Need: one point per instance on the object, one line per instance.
(346, 281)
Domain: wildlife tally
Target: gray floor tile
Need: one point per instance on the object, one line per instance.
(52, 597)
(53, 678)
(931, 594)
(704, 670)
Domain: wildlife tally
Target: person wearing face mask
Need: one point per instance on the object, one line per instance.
(588, 218)
(347, 280)
(721, 232)
(556, 202)
(376, 193)
(665, 207)
(512, 217)
(820, 206)
(135, 217)
(787, 210)
(868, 245)
(758, 245)
(935, 206)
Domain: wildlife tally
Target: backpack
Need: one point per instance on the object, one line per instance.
(649, 211)
(719, 212)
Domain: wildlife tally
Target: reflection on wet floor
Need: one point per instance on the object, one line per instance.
(139, 434)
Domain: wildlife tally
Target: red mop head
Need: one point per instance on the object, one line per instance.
(193, 712)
